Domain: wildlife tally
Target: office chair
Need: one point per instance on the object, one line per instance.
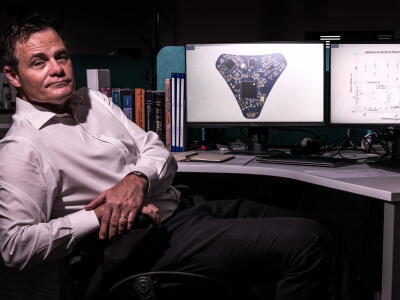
(167, 285)
(159, 285)
(135, 283)
(140, 284)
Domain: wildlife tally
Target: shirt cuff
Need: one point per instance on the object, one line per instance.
(83, 222)
(149, 172)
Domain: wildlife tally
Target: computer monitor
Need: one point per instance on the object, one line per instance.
(257, 84)
(365, 86)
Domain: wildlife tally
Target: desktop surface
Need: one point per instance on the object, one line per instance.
(358, 178)
(387, 163)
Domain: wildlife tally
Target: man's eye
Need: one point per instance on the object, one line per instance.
(38, 63)
(63, 57)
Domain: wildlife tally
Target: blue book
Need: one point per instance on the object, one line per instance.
(127, 103)
(116, 97)
(174, 137)
(181, 110)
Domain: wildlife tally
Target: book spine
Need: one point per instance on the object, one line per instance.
(149, 108)
(116, 97)
(142, 110)
(159, 113)
(182, 114)
(128, 103)
(168, 140)
(173, 112)
(178, 112)
(139, 107)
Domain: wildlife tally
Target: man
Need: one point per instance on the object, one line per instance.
(72, 164)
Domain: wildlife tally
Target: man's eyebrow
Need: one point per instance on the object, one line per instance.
(38, 55)
(61, 51)
(44, 55)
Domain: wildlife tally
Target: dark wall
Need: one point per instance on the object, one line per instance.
(256, 20)
(95, 28)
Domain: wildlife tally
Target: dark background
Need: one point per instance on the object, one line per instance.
(125, 36)
(94, 27)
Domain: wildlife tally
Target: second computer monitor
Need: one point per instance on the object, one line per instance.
(260, 83)
(365, 84)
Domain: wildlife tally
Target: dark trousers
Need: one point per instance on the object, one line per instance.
(242, 242)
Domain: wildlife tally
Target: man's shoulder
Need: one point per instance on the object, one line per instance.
(20, 132)
(92, 95)
(95, 102)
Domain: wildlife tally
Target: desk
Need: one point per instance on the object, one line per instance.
(360, 179)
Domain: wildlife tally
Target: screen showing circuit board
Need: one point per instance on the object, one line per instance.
(255, 83)
(365, 83)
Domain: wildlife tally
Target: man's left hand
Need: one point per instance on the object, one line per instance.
(122, 202)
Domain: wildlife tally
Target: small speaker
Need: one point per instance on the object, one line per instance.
(98, 79)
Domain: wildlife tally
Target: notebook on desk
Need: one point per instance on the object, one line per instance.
(305, 160)
(201, 156)
(211, 157)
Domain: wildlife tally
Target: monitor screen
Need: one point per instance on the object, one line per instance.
(365, 84)
(261, 83)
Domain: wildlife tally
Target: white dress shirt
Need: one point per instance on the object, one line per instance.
(51, 165)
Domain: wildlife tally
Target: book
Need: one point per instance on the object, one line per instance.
(159, 114)
(127, 100)
(140, 108)
(149, 110)
(178, 112)
(173, 112)
(116, 97)
(168, 138)
(181, 125)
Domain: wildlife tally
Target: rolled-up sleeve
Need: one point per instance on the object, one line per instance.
(28, 190)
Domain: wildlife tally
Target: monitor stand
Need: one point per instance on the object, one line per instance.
(392, 162)
(257, 138)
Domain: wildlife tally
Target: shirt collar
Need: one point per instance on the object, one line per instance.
(39, 116)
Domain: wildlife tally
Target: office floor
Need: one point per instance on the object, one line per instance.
(354, 221)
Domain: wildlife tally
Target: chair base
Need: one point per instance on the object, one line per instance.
(167, 285)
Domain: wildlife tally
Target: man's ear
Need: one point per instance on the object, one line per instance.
(12, 76)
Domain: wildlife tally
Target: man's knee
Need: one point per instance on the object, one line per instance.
(308, 241)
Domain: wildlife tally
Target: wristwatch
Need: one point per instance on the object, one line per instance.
(140, 174)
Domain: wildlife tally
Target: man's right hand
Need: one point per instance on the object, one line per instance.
(99, 210)
(149, 209)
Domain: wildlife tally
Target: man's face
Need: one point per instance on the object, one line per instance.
(45, 72)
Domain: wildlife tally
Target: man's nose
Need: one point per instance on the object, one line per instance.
(56, 69)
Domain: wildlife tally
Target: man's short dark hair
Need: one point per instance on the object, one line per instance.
(21, 32)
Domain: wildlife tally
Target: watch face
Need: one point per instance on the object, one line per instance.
(139, 174)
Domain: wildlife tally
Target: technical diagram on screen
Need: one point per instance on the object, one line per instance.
(375, 83)
(251, 78)
(365, 83)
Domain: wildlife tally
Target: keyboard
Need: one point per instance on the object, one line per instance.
(246, 152)
(305, 160)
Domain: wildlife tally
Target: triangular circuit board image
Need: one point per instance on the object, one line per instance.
(251, 78)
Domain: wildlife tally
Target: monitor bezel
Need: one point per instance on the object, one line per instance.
(389, 126)
(192, 124)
